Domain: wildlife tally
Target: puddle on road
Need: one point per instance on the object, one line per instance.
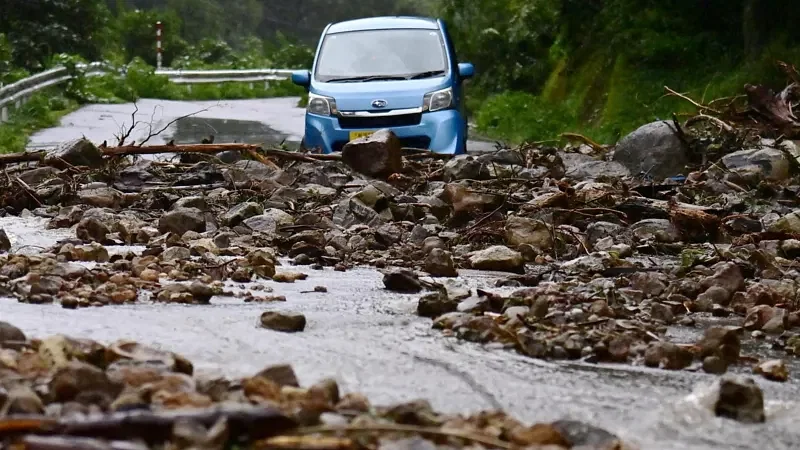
(192, 130)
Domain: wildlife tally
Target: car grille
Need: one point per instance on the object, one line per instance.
(403, 120)
(413, 142)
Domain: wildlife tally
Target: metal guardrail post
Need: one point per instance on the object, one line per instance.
(159, 29)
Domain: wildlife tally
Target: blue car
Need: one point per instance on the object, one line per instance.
(399, 73)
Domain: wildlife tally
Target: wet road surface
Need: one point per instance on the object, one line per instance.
(370, 340)
(268, 121)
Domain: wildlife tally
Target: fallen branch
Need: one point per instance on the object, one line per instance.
(595, 146)
(698, 105)
(12, 158)
(706, 117)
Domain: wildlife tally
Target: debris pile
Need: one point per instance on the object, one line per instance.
(67, 393)
(602, 249)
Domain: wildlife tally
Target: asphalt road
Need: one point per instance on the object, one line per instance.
(254, 121)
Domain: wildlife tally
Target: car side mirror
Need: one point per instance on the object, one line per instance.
(301, 78)
(466, 70)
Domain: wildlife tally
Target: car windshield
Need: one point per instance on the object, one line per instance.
(381, 54)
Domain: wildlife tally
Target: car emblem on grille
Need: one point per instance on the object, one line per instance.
(379, 103)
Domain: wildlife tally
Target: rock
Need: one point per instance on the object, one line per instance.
(722, 342)
(78, 152)
(584, 167)
(402, 280)
(599, 230)
(194, 201)
(248, 172)
(465, 167)
(92, 229)
(284, 322)
(769, 163)
(714, 365)
(282, 375)
(727, 275)
(582, 435)
(5, 243)
(101, 197)
(10, 333)
(758, 316)
(181, 220)
(34, 177)
(498, 258)
(201, 292)
(352, 211)
(650, 283)
(436, 304)
(77, 378)
(240, 212)
(439, 263)
(740, 399)
(790, 223)
(667, 356)
(773, 370)
(714, 295)
(379, 154)
(521, 230)
(269, 221)
(660, 230)
(289, 277)
(662, 312)
(778, 323)
(655, 149)
(176, 253)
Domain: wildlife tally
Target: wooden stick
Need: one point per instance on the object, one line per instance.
(12, 158)
(698, 105)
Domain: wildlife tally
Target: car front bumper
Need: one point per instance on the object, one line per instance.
(439, 131)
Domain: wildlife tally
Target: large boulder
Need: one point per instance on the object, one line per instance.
(379, 154)
(77, 152)
(654, 149)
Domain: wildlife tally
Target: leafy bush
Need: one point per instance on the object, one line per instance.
(520, 116)
(42, 110)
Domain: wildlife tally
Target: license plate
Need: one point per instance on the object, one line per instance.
(359, 134)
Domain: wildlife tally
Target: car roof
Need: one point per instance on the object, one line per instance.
(384, 23)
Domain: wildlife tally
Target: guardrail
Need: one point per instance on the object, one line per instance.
(17, 93)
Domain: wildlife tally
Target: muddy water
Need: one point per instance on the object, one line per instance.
(370, 341)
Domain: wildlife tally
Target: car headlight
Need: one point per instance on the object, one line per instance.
(321, 105)
(436, 100)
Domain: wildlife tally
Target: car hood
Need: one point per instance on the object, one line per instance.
(398, 94)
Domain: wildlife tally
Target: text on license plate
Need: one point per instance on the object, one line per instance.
(359, 134)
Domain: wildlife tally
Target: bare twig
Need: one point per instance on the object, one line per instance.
(127, 134)
(151, 134)
(706, 117)
(698, 105)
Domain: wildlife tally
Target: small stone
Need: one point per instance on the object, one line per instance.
(9, 333)
(284, 322)
(667, 355)
(439, 263)
(402, 280)
(436, 304)
(92, 229)
(774, 370)
(181, 220)
(176, 253)
(714, 365)
(722, 342)
(150, 275)
(289, 277)
(282, 375)
(5, 243)
(201, 292)
(740, 399)
(662, 312)
(497, 258)
(241, 212)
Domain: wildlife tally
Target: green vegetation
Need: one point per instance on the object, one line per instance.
(42, 110)
(600, 66)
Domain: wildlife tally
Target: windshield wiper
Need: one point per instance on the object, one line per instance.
(428, 74)
(367, 78)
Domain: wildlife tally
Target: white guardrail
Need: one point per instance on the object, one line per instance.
(15, 94)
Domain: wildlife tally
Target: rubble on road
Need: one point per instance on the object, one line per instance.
(600, 250)
(67, 393)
